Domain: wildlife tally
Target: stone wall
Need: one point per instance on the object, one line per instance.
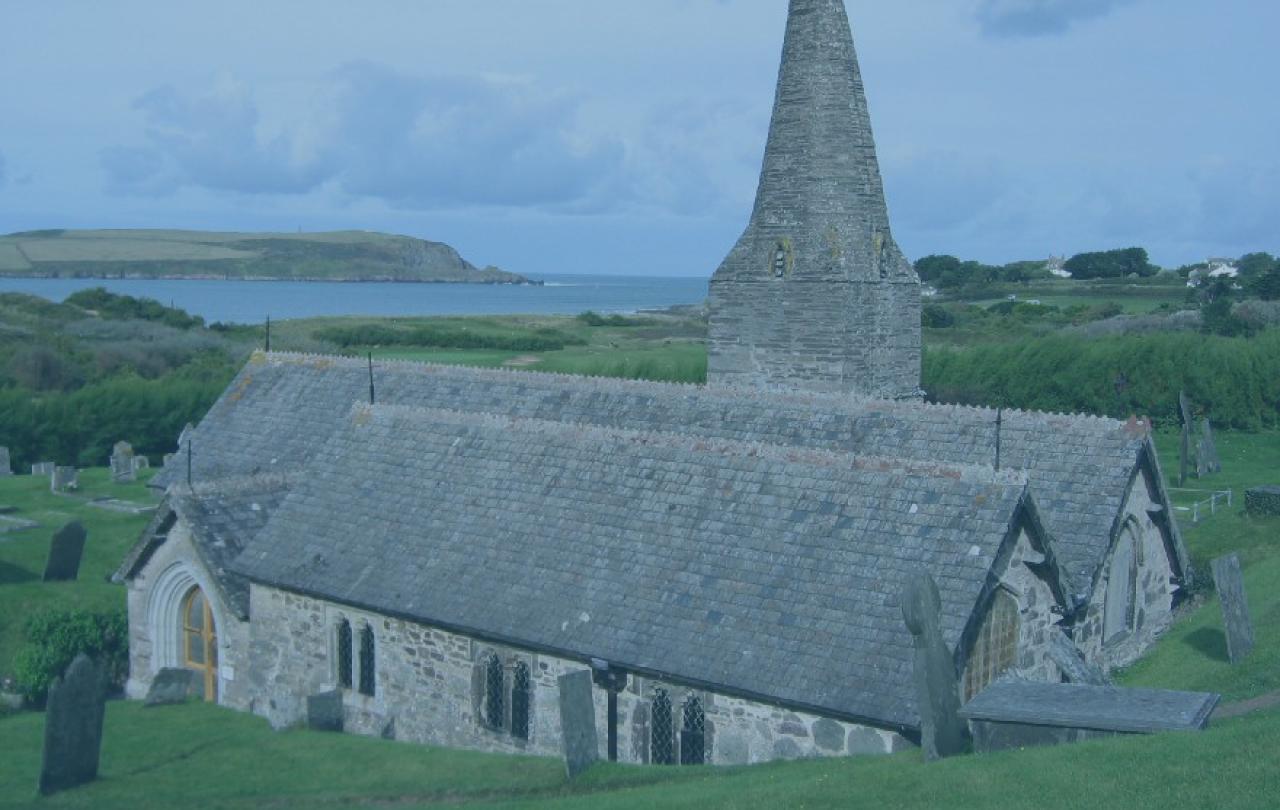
(155, 598)
(1154, 595)
(1037, 620)
(429, 689)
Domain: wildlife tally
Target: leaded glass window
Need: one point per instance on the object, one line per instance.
(345, 642)
(1119, 610)
(494, 705)
(693, 740)
(520, 694)
(661, 738)
(367, 662)
(996, 648)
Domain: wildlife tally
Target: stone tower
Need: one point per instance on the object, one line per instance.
(816, 294)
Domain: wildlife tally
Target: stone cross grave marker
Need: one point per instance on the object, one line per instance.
(73, 727)
(324, 711)
(64, 479)
(1229, 581)
(43, 468)
(942, 732)
(1184, 458)
(6, 468)
(1207, 460)
(65, 551)
(172, 686)
(578, 723)
(122, 469)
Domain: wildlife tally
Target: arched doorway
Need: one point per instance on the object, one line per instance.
(200, 640)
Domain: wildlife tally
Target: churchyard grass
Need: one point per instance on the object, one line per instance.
(23, 553)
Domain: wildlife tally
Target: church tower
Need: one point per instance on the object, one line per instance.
(816, 295)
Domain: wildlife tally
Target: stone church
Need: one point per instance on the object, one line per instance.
(439, 544)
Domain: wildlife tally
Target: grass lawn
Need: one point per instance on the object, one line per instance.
(23, 554)
(205, 756)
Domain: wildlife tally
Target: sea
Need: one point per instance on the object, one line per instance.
(255, 301)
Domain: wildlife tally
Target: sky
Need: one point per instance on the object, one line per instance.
(599, 136)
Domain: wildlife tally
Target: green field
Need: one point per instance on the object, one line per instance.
(210, 757)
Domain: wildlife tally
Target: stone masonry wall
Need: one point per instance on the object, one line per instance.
(1037, 621)
(1154, 596)
(154, 604)
(429, 691)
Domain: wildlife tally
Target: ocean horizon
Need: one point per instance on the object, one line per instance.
(255, 301)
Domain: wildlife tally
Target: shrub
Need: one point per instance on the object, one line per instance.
(55, 638)
(937, 317)
(591, 318)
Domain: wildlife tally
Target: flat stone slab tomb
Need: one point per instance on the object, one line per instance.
(1023, 714)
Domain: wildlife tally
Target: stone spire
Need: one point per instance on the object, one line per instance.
(816, 294)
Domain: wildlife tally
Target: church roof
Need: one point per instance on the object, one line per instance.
(761, 570)
(281, 409)
(223, 517)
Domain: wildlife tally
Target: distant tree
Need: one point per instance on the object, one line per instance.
(937, 317)
(932, 268)
(40, 368)
(1256, 265)
(1112, 264)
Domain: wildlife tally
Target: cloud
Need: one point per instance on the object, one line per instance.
(369, 131)
(1033, 18)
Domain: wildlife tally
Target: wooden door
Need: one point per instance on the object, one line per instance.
(200, 641)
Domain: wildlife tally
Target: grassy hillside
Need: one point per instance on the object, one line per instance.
(337, 256)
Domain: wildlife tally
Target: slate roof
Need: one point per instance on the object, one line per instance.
(278, 412)
(223, 517)
(763, 570)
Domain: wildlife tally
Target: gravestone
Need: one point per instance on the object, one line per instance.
(1072, 663)
(1184, 457)
(6, 469)
(324, 711)
(43, 468)
(1012, 714)
(65, 551)
(172, 686)
(578, 723)
(1262, 501)
(942, 732)
(64, 479)
(1229, 582)
(73, 727)
(122, 469)
(1207, 459)
(141, 463)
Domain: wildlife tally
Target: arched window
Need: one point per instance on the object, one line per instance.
(661, 738)
(200, 640)
(1122, 583)
(780, 260)
(693, 733)
(494, 705)
(996, 648)
(368, 673)
(520, 694)
(345, 656)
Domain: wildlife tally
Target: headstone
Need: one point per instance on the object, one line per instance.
(43, 468)
(64, 479)
(1072, 663)
(1013, 713)
(1262, 501)
(141, 463)
(1184, 459)
(122, 469)
(73, 727)
(65, 551)
(172, 686)
(942, 732)
(578, 723)
(6, 468)
(324, 711)
(1207, 459)
(1229, 581)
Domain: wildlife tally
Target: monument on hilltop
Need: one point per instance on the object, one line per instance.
(816, 294)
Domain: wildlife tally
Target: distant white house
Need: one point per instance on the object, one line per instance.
(1213, 268)
(1057, 266)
